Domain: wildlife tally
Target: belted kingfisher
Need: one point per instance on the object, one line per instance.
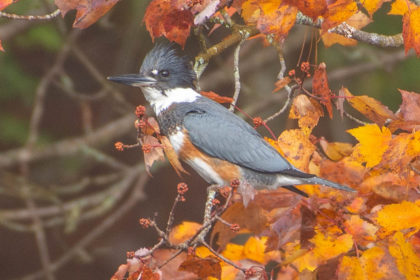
(216, 143)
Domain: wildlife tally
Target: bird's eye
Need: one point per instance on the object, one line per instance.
(164, 73)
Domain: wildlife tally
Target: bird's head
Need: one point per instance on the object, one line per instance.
(164, 74)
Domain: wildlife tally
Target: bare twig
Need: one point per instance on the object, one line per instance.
(135, 195)
(236, 75)
(31, 17)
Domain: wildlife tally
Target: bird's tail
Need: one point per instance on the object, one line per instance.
(319, 181)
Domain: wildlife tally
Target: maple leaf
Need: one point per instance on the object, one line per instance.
(411, 30)
(202, 267)
(162, 19)
(400, 7)
(373, 142)
(307, 111)
(271, 17)
(403, 148)
(408, 262)
(183, 232)
(372, 6)
(335, 150)
(395, 217)
(311, 8)
(369, 107)
(5, 3)
(320, 87)
(337, 12)
(409, 112)
(255, 249)
(362, 231)
(297, 147)
(88, 11)
(327, 246)
(370, 265)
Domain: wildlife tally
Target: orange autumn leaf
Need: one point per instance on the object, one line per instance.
(338, 11)
(403, 148)
(327, 246)
(411, 30)
(216, 97)
(297, 147)
(362, 231)
(373, 142)
(183, 232)
(369, 107)
(396, 217)
(270, 16)
(1, 47)
(358, 21)
(370, 265)
(408, 262)
(311, 8)
(400, 7)
(5, 3)
(162, 19)
(320, 87)
(255, 249)
(282, 83)
(335, 150)
(202, 267)
(306, 111)
(372, 6)
(358, 205)
(88, 11)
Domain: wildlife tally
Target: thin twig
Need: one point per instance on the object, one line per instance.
(133, 198)
(236, 75)
(31, 17)
(354, 118)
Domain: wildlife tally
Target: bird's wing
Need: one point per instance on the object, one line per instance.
(221, 134)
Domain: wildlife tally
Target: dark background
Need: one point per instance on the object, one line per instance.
(62, 167)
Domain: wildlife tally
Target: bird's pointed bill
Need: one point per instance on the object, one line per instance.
(136, 80)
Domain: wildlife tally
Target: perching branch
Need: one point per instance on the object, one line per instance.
(236, 75)
(31, 17)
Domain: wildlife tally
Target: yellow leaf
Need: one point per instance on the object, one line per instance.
(408, 262)
(233, 252)
(373, 142)
(297, 147)
(372, 5)
(326, 247)
(395, 217)
(203, 252)
(183, 232)
(400, 7)
(368, 266)
(254, 249)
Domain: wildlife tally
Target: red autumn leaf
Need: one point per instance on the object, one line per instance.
(411, 30)
(1, 47)
(162, 19)
(5, 3)
(88, 11)
(218, 98)
(311, 8)
(409, 112)
(202, 267)
(320, 87)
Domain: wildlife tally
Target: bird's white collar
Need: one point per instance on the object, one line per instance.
(161, 102)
